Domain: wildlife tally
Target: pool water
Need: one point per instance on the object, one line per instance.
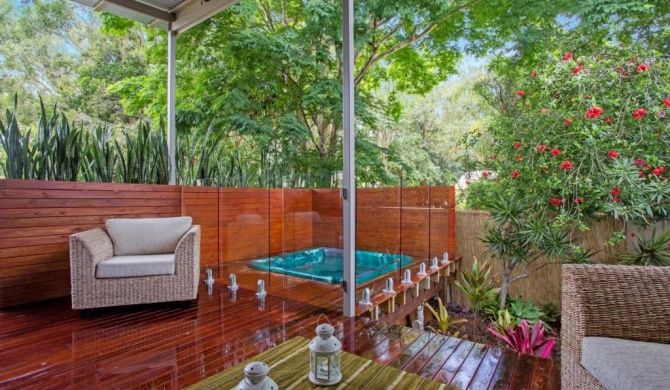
(326, 264)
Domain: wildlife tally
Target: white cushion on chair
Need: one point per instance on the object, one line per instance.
(133, 266)
(620, 364)
(147, 236)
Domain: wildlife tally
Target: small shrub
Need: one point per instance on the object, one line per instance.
(525, 310)
(552, 313)
(444, 321)
(503, 321)
(649, 251)
(524, 339)
(477, 286)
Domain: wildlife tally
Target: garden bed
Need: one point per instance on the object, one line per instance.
(476, 329)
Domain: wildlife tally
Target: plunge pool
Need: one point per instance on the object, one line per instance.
(326, 264)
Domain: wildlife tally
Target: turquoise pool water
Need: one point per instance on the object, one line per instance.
(326, 264)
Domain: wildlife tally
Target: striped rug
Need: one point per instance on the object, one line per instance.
(289, 367)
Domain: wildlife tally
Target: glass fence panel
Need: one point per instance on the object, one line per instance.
(378, 239)
(244, 237)
(306, 241)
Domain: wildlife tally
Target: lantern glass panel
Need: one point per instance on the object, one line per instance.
(312, 361)
(335, 364)
(322, 367)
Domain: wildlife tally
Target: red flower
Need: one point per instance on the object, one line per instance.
(612, 154)
(632, 235)
(517, 145)
(667, 245)
(639, 162)
(567, 122)
(657, 171)
(567, 56)
(641, 174)
(533, 74)
(518, 157)
(639, 113)
(493, 157)
(642, 68)
(615, 191)
(609, 120)
(467, 182)
(555, 151)
(594, 112)
(520, 93)
(555, 201)
(578, 68)
(666, 102)
(541, 148)
(485, 174)
(515, 174)
(565, 165)
(579, 200)
(616, 200)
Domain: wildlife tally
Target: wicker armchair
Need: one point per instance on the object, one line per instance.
(623, 302)
(90, 248)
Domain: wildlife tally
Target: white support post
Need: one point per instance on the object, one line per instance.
(349, 166)
(171, 89)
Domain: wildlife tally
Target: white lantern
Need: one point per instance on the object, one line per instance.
(256, 378)
(324, 357)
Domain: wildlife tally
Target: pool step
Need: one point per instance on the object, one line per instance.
(394, 307)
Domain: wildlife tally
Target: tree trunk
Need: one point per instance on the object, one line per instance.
(507, 275)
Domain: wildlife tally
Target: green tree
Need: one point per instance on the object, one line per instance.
(40, 44)
(269, 70)
(426, 140)
(57, 50)
(627, 21)
(107, 59)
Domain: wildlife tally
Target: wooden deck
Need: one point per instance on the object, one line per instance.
(47, 346)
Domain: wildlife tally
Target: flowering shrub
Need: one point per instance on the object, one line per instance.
(524, 339)
(602, 118)
(575, 131)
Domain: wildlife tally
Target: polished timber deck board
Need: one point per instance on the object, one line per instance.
(47, 346)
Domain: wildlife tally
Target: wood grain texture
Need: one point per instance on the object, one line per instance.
(257, 223)
(37, 218)
(417, 221)
(46, 345)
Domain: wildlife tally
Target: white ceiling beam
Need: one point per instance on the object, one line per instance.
(192, 12)
(100, 6)
(144, 9)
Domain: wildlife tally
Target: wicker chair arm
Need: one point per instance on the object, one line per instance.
(187, 254)
(617, 301)
(91, 247)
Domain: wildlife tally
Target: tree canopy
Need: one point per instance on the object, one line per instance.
(265, 75)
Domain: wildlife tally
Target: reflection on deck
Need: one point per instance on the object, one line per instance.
(46, 345)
